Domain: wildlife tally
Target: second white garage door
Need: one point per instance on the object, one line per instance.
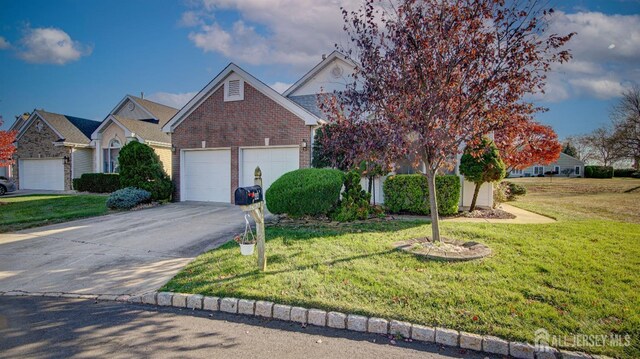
(42, 174)
(274, 162)
(206, 176)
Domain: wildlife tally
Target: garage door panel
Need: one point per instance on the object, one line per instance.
(47, 174)
(207, 176)
(274, 162)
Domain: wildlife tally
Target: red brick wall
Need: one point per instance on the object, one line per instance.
(238, 124)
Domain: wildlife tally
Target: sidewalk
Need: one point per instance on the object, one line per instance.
(522, 217)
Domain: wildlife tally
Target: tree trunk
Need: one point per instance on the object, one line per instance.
(475, 196)
(373, 195)
(433, 205)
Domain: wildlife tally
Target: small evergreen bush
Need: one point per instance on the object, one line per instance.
(306, 191)
(598, 171)
(355, 201)
(128, 198)
(140, 167)
(410, 194)
(97, 182)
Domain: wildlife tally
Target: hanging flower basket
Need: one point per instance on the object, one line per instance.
(247, 249)
(247, 240)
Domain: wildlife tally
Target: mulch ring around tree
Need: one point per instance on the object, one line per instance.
(446, 250)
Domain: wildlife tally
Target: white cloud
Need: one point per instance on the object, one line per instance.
(605, 53)
(175, 100)
(4, 44)
(50, 45)
(280, 86)
(292, 32)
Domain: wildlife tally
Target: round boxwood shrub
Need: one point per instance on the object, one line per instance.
(140, 167)
(307, 191)
(128, 198)
(410, 194)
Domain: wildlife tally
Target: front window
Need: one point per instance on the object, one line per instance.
(110, 157)
(577, 170)
(538, 170)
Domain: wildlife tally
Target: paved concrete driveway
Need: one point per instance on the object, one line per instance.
(124, 253)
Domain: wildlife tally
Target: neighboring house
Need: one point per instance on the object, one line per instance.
(133, 118)
(564, 166)
(51, 150)
(233, 125)
(237, 123)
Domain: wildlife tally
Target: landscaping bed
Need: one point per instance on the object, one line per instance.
(576, 276)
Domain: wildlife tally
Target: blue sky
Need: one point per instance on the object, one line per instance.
(81, 57)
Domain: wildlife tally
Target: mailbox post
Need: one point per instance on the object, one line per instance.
(256, 210)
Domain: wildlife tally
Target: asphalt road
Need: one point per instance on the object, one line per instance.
(37, 327)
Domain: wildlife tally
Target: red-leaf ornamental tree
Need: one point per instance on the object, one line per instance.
(525, 143)
(435, 74)
(7, 148)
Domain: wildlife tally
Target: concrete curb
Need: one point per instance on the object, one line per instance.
(449, 337)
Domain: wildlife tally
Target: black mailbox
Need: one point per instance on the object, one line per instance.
(248, 195)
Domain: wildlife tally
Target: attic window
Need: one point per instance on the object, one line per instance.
(234, 90)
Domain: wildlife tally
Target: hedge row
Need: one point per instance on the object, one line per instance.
(623, 172)
(410, 194)
(305, 192)
(598, 171)
(97, 182)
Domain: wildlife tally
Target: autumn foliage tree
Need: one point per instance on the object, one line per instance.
(434, 74)
(525, 143)
(7, 148)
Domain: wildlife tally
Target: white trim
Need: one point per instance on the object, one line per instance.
(207, 91)
(71, 144)
(130, 98)
(316, 69)
(30, 120)
(157, 144)
(182, 172)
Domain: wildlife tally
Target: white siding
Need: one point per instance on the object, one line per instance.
(82, 161)
(485, 195)
(138, 113)
(325, 81)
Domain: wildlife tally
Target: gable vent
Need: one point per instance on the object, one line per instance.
(233, 89)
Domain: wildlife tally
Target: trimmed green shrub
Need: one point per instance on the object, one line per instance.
(598, 171)
(128, 198)
(515, 189)
(355, 201)
(97, 182)
(410, 194)
(623, 172)
(307, 191)
(140, 167)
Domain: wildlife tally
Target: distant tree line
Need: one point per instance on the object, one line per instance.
(615, 143)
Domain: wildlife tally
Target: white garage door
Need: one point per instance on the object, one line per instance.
(42, 174)
(206, 176)
(274, 162)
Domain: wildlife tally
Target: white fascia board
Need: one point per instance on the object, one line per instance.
(213, 85)
(316, 69)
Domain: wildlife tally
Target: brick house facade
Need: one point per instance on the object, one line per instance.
(211, 121)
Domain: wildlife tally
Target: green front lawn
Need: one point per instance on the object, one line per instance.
(576, 276)
(37, 210)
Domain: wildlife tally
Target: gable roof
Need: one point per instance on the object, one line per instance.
(68, 128)
(157, 111)
(316, 69)
(146, 131)
(20, 120)
(213, 85)
(162, 113)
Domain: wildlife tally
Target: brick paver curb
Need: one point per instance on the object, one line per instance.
(317, 317)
